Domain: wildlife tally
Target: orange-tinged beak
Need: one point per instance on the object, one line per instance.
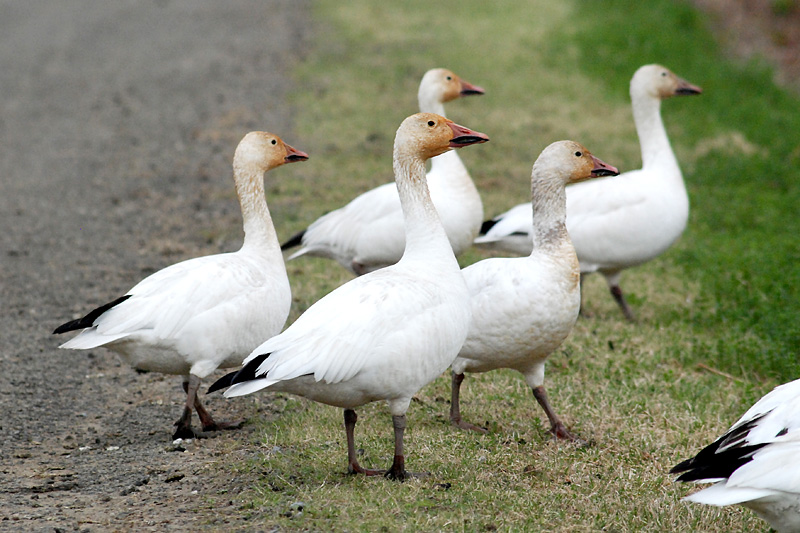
(294, 155)
(464, 136)
(602, 168)
(468, 89)
(685, 88)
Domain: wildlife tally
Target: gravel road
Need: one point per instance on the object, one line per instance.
(118, 122)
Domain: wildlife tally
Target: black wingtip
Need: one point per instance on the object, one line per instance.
(295, 240)
(223, 383)
(88, 320)
(63, 328)
(486, 226)
(683, 466)
(713, 464)
(246, 373)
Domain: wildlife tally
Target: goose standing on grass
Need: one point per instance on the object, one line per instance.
(756, 463)
(384, 335)
(627, 220)
(209, 312)
(367, 234)
(524, 307)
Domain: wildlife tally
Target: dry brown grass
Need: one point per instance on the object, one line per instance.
(632, 390)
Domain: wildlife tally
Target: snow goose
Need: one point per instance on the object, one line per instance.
(524, 307)
(367, 234)
(384, 335)
(622, 221)
(208, 312)
(755, 463)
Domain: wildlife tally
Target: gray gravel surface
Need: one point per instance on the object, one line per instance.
(118, 122)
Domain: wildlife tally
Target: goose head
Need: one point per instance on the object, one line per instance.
(428, 135)
(265, 151)
(571, 162)
(441, 85)
(660, 82)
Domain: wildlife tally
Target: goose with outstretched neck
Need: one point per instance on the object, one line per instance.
(388, 333)
(208, 312)
(524, 307)
(623, 221)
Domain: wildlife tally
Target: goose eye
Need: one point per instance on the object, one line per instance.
(431, 123)
(274, 141)
(663, 74)
(578, 154)
(449, 78)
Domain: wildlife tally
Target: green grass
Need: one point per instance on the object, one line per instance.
(724, 298)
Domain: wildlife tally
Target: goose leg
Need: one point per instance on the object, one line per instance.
(616, 292)
(397, 471)
(612, 279)
(208, 422)
(358, 268)
(184, 423)
(350, 419)
(557, 428)
(455, 410)
(582, 310)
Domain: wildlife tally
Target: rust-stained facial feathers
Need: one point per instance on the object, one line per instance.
(662, 82)
(430, 135)
(452, 86)
(266, 151)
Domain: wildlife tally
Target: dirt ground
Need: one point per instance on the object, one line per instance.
(118, 121)
(769, 29)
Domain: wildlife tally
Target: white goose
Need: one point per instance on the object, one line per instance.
(755, 463)
(385, 335)
(623, 221)
(208, 312)
(524, 307)
(367, 234)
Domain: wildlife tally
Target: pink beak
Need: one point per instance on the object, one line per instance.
(603, 169)
(685, 88)
(293, 155)
(468, 89)
(464, 136)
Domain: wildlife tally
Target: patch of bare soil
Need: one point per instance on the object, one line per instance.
(118, 122)
(765, 28)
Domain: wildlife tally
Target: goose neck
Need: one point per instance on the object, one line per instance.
(430, 104)
(656, 149)
(257, 222)
(549, 204)
(425, 235)
(449, 166)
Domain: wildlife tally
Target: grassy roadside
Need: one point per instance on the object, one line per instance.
(724, 298)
